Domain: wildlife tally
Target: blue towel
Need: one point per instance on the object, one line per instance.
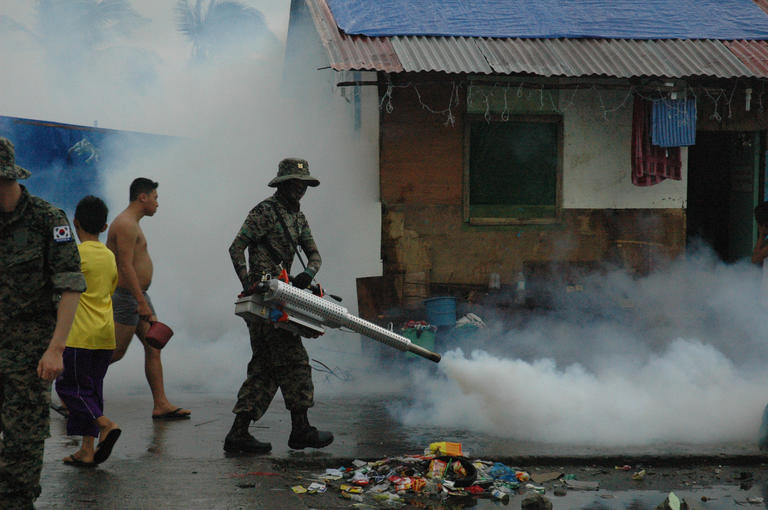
(673, 122)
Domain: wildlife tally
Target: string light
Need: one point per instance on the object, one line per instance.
(487, 92)
(450, 119)
(730, 99)
(716, 115)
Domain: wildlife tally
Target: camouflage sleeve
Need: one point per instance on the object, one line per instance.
(307, 243)
(63, 257)
(253, 230)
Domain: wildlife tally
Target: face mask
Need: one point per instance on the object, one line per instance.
(293, 190)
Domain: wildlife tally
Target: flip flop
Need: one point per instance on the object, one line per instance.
(176, 414)
(75, 462)
(104, 449)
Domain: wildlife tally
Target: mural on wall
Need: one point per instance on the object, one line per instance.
(67, 161)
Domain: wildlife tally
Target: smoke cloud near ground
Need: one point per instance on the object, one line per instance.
(676, 356)
(680, 355)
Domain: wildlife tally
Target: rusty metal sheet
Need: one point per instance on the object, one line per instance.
(754, 55)
(347, 53)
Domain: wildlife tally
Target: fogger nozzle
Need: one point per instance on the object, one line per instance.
(330, 314)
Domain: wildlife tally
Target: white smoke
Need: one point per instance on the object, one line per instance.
(677, 356)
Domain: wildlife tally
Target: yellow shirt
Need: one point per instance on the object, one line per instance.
(94, 326)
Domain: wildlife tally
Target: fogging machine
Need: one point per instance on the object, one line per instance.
(306, 314)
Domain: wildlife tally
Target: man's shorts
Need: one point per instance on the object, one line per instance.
(124, 307)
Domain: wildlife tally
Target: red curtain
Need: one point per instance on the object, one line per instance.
(650, 164)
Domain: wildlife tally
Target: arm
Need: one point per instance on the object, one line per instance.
(51, 364)
(237, 254)
(126, 234)
(66, 277)
(760, 251)
(252, 231)
(308, 245)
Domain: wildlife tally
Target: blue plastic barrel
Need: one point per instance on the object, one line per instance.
(441, 311)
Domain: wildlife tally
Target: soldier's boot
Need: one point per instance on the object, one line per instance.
(239, 440)
(303, 435)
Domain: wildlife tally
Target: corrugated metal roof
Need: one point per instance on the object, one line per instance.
(617, 58)
(446, 54)
(352, 53)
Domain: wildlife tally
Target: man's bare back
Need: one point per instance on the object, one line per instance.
(127, 241)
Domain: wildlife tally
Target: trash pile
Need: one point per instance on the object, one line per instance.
(442, 472)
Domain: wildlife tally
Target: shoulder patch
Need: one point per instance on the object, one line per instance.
(62, 234)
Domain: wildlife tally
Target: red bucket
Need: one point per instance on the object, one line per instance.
(158, 334)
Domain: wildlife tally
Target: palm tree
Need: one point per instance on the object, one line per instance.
(222, 27)
(68, 30)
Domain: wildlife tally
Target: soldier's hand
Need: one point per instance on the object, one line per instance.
(302, 280)
(50, 365)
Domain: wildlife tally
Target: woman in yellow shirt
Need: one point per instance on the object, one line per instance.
(90, 342)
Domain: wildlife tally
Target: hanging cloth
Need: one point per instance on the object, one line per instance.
(673, 122)
(650, 164)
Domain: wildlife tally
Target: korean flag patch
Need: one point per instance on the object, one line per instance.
(62, 234)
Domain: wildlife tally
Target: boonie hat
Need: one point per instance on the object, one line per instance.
(293, 168)
(8, 167)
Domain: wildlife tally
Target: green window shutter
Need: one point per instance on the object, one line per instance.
(513, 169)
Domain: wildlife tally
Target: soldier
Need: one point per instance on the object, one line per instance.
(271, 232)
(39, 265)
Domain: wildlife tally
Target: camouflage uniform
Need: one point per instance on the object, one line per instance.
(38, 260)
(279, 359)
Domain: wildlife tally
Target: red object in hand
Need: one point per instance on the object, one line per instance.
(158, 334)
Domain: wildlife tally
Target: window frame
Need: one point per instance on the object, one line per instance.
(471, 119)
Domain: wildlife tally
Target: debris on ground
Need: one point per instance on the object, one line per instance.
(582, 485)
(443, 472)
(672, 502)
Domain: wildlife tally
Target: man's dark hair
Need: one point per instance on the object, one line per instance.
(91, 214)
(141, 185)
(761, 213)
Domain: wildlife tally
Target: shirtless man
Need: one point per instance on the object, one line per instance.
(132, 307)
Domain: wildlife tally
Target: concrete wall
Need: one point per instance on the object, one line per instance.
(596, 159)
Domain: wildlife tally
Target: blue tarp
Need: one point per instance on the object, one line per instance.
(549, 19)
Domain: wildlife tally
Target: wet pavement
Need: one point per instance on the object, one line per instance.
(181, 464)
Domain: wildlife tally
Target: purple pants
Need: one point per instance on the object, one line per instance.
(81, 388)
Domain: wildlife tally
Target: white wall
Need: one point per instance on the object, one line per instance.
(596, 159)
